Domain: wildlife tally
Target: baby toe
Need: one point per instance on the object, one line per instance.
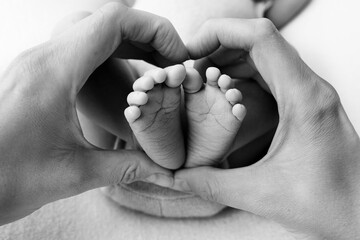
(193, 81)
(212, 76)
(158, 74)
(239, 111)
(225, 83)
(233, 96)
(137, 98)
(132, 113)
(175, 75)
(144, 84)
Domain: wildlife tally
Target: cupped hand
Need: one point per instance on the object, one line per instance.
(309, 181)
(44, 156)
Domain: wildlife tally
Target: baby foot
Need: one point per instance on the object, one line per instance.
(214, 116)
(154, 115)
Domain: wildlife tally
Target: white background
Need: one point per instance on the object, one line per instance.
(327, 35)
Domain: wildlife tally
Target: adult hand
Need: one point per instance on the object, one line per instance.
(44, 156)
(310, 179)
(103, 98)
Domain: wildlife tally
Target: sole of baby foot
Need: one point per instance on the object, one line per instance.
(214, 116)
(154, 115)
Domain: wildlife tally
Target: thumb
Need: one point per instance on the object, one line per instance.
(103, 168)
(242, 188)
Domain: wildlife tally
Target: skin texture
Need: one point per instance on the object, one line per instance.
(214, 116)
(103, 103)
(44, 156)
(102, 109)
(315, 141)
(309, 179)
(156, 122)
(282, 11)
(262, 114)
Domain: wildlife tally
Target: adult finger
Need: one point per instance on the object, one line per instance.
(145, 52)
(278, 63)
(102, 168)
(224, 56)
(238, 69)
(150, 37)
(243, 188)
(80, 50)
(102, 97)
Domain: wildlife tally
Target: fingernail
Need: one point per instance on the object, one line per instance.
(161, 180)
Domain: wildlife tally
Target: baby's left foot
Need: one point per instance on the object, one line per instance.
(214, 116)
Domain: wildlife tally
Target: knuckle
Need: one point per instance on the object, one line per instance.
(326, 97)
(128, 173)
(111, 11)
(162, 23)
(211, 190)
(115, 6)
(22, 74)
(163, 35)
(264, 28)
(33, 71)
(322, 108)
(33, 63)
(209, 23)
(328, 100)
(68, 22)
(22, 65)
(162, 27)
(330, 94)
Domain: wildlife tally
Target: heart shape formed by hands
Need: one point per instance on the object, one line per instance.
(103, 98)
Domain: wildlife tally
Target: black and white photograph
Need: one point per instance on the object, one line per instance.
(179, 120)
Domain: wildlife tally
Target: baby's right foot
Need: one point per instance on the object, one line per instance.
(154, 115)
(214, 116)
